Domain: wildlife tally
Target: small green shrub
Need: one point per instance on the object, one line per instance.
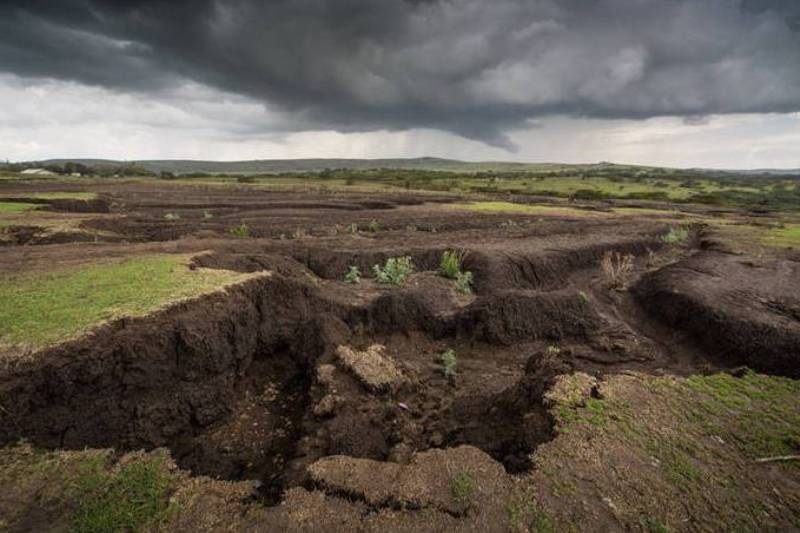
(395, 271)
(462, 486)
(242, 231)
(246, 179)
(172, 216)
(450, 265)
(374, 225)
(207, 215)
(448, 361)
(676, 236)
(353, 275)
(464, 282)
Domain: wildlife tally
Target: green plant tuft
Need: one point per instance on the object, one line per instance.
(242, 231)
(353, 275)
(462, 487)
(450, 265)
(395, 271)
(448, 360)
(464, 282)
(676, 236)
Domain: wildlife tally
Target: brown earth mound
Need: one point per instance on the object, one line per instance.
(744, 312)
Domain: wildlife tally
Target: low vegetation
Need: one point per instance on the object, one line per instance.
(448, 361)
(462, 488)
(464, 282)
(353, 275)
(616, 268)
(90, 490)
(706, 446)
(676, 236)
(450, 265)
(395, 271)
(16, 207)
(43, 307)
(122, 500)
(242, 231)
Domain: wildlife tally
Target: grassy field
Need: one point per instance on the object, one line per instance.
(37, 309)
(687, 448)
(64, 195)
(10, 208)
(789, 235)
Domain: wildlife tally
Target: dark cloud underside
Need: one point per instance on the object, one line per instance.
(472, 67)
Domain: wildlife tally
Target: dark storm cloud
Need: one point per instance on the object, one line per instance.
(473, 67)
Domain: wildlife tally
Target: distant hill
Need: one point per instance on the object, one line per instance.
(261, 166)
(266, 166)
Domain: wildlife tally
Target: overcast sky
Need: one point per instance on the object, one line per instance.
(713, 83)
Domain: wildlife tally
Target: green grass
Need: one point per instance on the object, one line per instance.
(16, 207)
(526, 209)
(123, 500)
(64, 195)
(40, 308)
(462, 486)
(788, 235)
(676, 236)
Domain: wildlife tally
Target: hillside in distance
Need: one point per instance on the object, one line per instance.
(270, 166)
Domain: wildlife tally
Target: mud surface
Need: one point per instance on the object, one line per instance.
(252, 383)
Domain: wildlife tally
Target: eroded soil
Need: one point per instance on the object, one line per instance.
(332, 398)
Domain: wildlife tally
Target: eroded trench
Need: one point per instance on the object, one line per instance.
(232, 385)
(246, 384)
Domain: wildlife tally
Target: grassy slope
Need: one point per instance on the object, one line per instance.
(37, 309)
(668, 453)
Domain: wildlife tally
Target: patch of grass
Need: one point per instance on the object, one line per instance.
(527, 209)
(462, 487)
(676, 236)
(54, 195)
(43, 307)
(123, 500)
(172, 216)
(395, 271)
(450, 264)
(789, 235)
(242, 231)
(464, 282)
(448, 361)
(353, 275)
(759, 412)
(16, 207)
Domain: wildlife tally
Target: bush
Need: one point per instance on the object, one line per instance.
(242, 231)
(246, 179)
(395, 271)
(353, 275)
(172, 216)
(450, 265)
(448, 360)
(374, 226)
(676, 236)
(616, 267)
(464, 282)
